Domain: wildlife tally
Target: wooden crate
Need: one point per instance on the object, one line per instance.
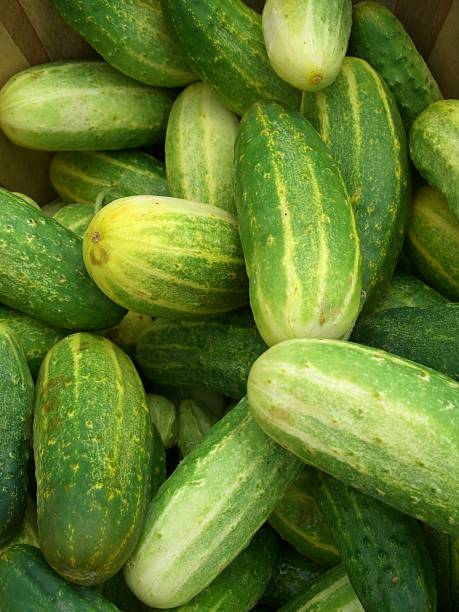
(32, 33)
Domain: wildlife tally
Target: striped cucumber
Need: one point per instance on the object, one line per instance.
(223, 42)
(406, 291)
(76, 217)
(79, 106)
(128, 331)
(185, 260)
(26, 198)
(433, 241)
(377, 422)
(306, 40)
(208, 510)
(194, 421)
(200, 138)
(359, 121)
(93, 458)
(52, 207)
(164, 417)
(379, 38)
(131, 36)
(434, 149)
(90, 176)
(444, 550)
(297, 228)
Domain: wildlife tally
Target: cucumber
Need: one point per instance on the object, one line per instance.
(128, 331)
(433, 241)
(26, 198)
(298, 520)
(116, 591)
(307, 40)
(223, 42)
(93, 458)
(217, 353)
(429, 336)
(378, 422)
(28, 531)
(359, 121)
(382, 550)
(28, 583)
(434, 149)
(90, 176)
(379, 38)
(406, 291)
(444, 550)
(43, 274)
(194, 421)
(186, 260)
(132, 37)
(52, 207)
(35, 337)
(158, 472)
(200, 138)
(76, 217)
(297, 228)
(208, 510)
(79, 106)
(330, 592)
(16, 407)
(164, 417)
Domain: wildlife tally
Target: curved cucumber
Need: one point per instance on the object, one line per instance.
(406, 291)
(128, 331)
(164, 417)
(26, 198)
(52, 207)
(28, 531)
(75, 217)
(194, 421)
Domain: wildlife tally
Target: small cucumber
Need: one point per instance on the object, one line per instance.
(76, 217)
(407, 291)
(194, 421)
(164, 417)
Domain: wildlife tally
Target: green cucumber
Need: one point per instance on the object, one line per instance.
(79, 106)
(28, 583)
(208, 510)
(444, 550)
(429, 336)
(117, 592)
(28, 531)
(52, 207)
(433, 241)
(407, 291)
(359, 121)
(76, 217)
(16, 407)
(380, 423)
(194, 421)
(306, 40)
(158, 471)
(217, 353)
(132, 37)
(43, 274)
(127, 333)
(379, 38)
(382, 550)
(93, 458)
(297, 519)
(223, 42)
(185, 261)
(164, 417)
(297, 228)
(200, 138)
(104, 176)
(434, 149)
(26, 198)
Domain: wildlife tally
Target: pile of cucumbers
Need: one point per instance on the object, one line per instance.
(229, 380)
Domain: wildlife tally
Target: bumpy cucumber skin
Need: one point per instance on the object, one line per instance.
(379, 38)
(380, 423)
(89, 176)
(407, 291)
(297, 228)
(358, 120)
(444, 550)
(75, 217)
(382, 550)
(16, 408)
(53, 107)
(224, 45)
(433, 241)
(132, 37)
(194, 421)
(434, 149)
(298, 520)
(43, 274)
(200, 138)
(216, 353)
(208, 510)
(93, 458)
(164, 417)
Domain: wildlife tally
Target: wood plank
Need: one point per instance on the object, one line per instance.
(16, 22)
(423, 20)
(443, 59)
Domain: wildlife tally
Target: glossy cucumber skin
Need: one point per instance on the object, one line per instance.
(433, 241)
(379, 38)
(190, 535)
(216, 353)
(223, 42)
(434, 149)
(16, 408)
(43, 274)
(298, 520)
(163, 415)
(200, 138)
(186, 260)
(407, 291)
(75, 217)
(93, 458)
(380, 423)
(194, 421)
(382, 550)
(52, 107)
(444, 551)
(132, 37)
(297, 228)
(88, 176)
(358, 119)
